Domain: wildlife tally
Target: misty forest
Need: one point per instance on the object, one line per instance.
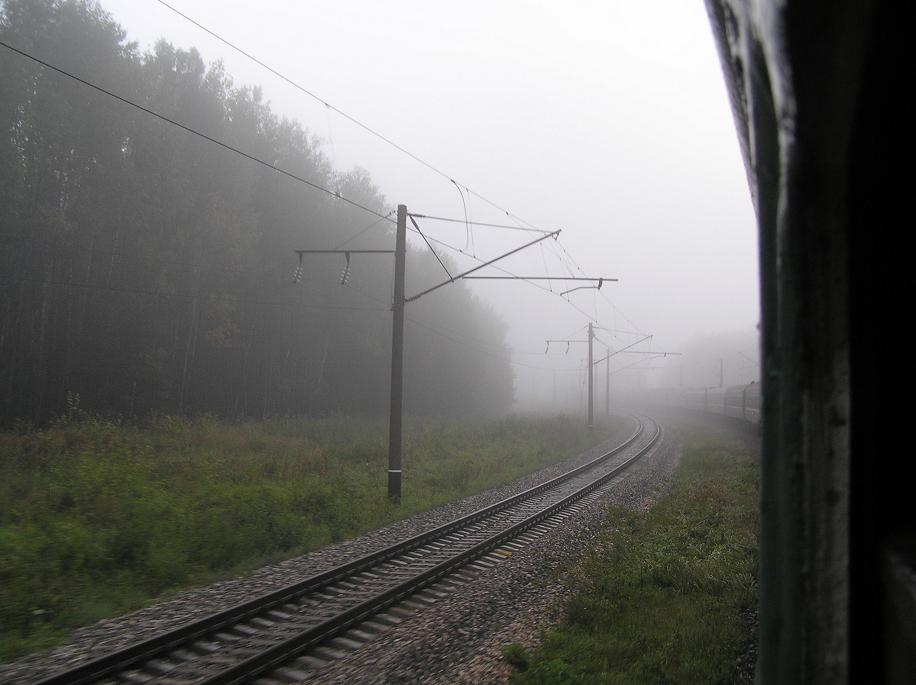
(145, 269)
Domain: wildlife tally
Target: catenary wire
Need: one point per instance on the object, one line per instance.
(237, 151)
(188, 129)
(364, 230)
(509, 273)
(278, 169)
(184, 296)
(478, 223)
(328, 105)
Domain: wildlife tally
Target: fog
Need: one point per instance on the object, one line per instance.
(608, 120)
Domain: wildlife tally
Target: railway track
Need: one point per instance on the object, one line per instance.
(283, 635)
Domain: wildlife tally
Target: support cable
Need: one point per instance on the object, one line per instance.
(188, 129)
(205, 295)
(268, 165)
(478, 223)
(365, 230)
(470, 225)
(257, 160)
(509, 273)
(435, 254)
(452, 279)
(467, 228)
(329, 106)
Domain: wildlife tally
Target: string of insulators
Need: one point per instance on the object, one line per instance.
(345, 274)
(297, 274)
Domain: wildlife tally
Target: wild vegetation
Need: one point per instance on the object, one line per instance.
(667, 595)
(99, 518)
(147, 269)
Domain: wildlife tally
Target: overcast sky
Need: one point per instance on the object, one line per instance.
(608, 120)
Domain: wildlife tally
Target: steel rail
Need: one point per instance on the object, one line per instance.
(134, 655)
(283, 652)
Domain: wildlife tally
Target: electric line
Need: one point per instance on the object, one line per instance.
(435, 254)
(329, 106)
(452, 279)
(467, 213)
(636, 363)
(244, 154)
(507, 272)
(467, 228)
(482, 350)
(481, 344)
(254, 275)
(567, 260)
(128, 257)
(185, 296)
(366, 229)
(188, 129)
(606, 298)
(478, 223)
(284, 172)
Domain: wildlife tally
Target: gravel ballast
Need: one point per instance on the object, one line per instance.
(460, 638)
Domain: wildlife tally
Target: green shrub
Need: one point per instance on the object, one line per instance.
(516, 656)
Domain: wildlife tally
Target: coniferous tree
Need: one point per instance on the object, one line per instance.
(144, 268)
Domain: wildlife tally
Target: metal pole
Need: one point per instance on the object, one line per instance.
(397, 360)
(591, 378)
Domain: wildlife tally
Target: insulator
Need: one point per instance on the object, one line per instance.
(297, 274)
(345, 274)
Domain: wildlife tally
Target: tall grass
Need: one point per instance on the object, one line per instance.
(665, 597)
(98, 518)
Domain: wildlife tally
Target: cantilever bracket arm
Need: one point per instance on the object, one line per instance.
(302, 252)
(611, 354)
(554, 234)
(600, 280)
(586, 287)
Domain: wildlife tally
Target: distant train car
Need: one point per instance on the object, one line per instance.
(740, 402)
(733, 405)
(752, 402)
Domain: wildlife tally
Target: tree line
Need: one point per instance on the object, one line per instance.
(145, 269)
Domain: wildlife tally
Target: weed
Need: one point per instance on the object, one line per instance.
(516, 656)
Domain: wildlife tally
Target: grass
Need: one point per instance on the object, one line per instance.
(98, 518)
(663, 596)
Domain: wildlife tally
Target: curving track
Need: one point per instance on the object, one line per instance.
(285, 633)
